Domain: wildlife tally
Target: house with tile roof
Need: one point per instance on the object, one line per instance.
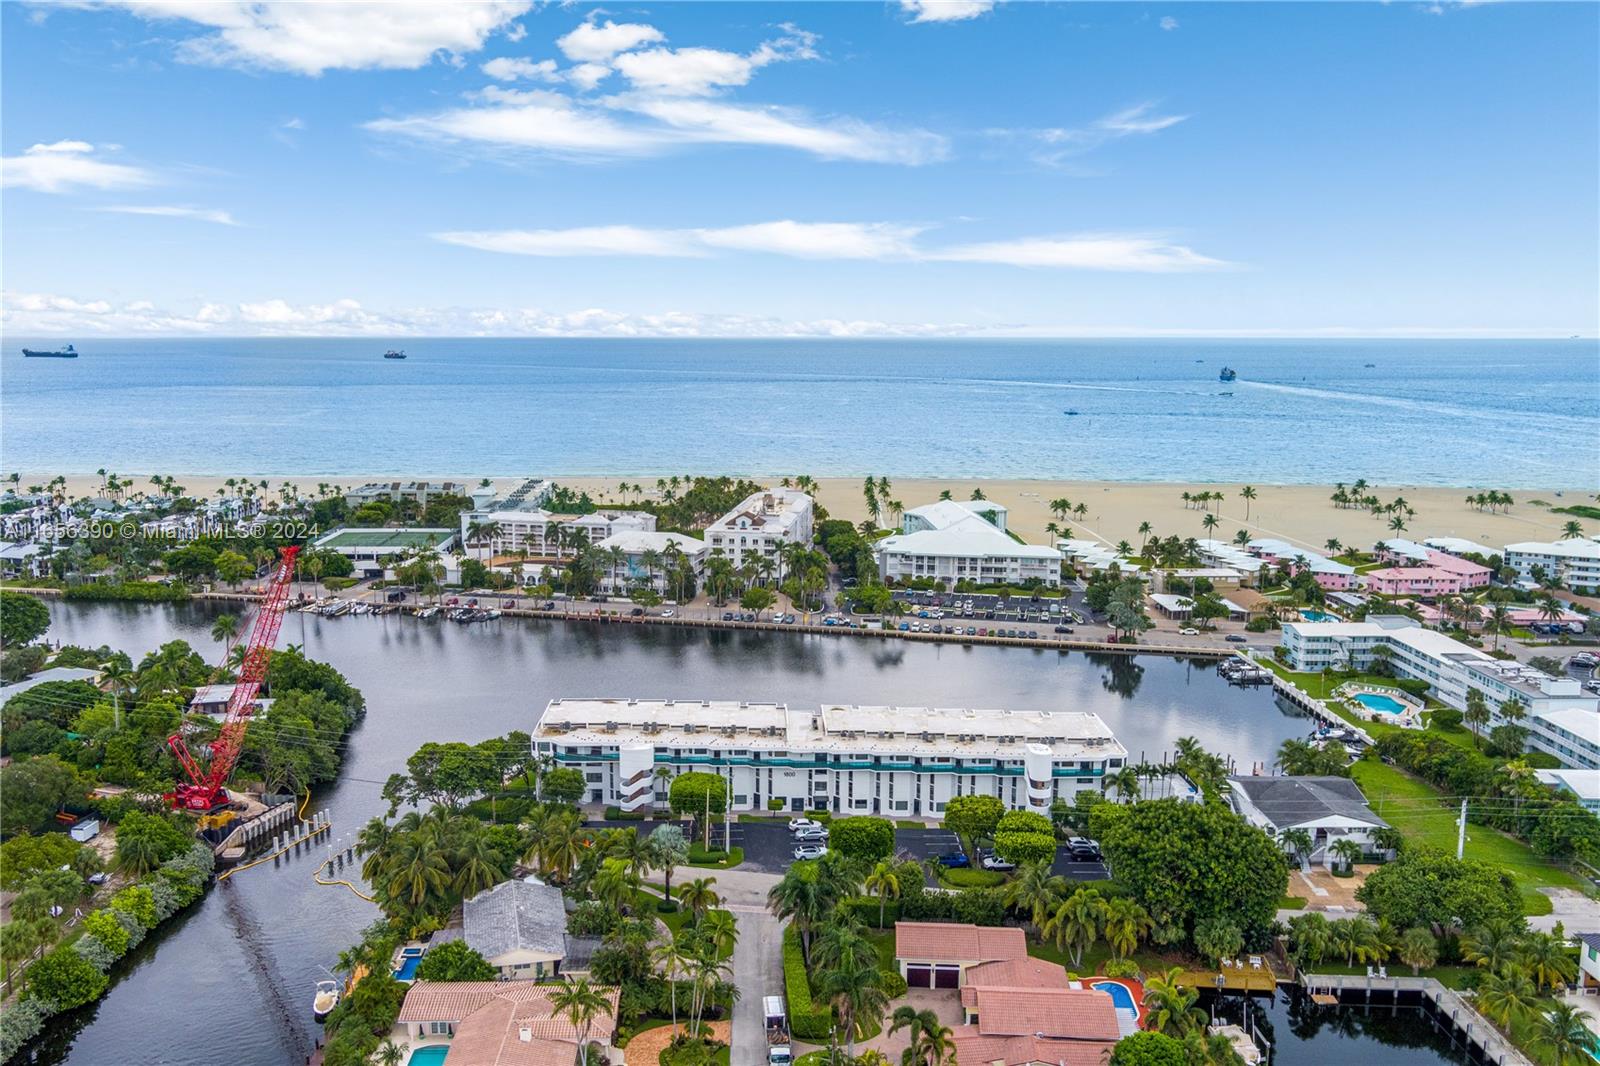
(1021, 1012)
(939, 954)
(495, 1023)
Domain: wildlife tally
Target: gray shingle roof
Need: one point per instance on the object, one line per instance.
(1591, 940)
(1289, 801)
(516, 915)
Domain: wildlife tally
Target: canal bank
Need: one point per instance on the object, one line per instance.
(246, 958)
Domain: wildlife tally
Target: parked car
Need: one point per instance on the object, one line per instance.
(1083, 849)
(727, 616)
(1063, 629)
(1234, 638)
(1188, 631)
(636, 612)
(812, 832)
(667, 613)
(798, 823)
(810, 851)
(955, 859)
(995, 862)
(905, 627)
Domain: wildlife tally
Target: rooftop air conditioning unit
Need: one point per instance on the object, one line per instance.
(611, 727)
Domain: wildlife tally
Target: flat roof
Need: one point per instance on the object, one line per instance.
(384, 538)
(841, 728)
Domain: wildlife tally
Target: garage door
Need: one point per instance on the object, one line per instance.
(947, 977)
(919, 976)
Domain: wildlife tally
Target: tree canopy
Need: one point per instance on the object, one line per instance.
(23, 618)
(1425, 886)
(1186, 862)
(862, 837)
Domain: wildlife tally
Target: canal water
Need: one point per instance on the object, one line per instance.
(231, 980)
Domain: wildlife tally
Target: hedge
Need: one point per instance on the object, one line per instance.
(862, 837)
(865, 910)
(74, 974)
(134, 591)
(807, 1020)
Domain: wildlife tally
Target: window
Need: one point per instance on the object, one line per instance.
(859, 805)
(441, 1028)
(740, 800)
(593, 778)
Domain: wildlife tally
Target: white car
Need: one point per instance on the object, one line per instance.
(810, 851)
(666, 614)
(812, 832)
(797, 824)
(995, 862)
(1190, 632)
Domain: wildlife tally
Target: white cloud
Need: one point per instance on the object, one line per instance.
(668, 104)
(596, 42)
(1111, 252)
(27, 313)
(945, 10)
(1053, 145)
(295, 123)
(582, 241)
(66, 165)
(200, 214)
(882, 241)
(309, 38)
(1169, 23)
(510, 69)
(805, 240)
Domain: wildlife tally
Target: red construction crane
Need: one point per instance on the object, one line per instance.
(203, 791)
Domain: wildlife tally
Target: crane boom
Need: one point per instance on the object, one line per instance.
(204, 789)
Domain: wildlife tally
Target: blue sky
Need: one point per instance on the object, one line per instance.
(841, 168)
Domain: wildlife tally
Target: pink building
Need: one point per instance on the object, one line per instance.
(1413, 581)
(1472, 575)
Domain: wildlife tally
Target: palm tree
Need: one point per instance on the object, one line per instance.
(417, 869)
(1126, 923)
(1034, 892)
(1126, 782)
(1170, 1007)
(1562, 1032)
(1298, 841)
(698, 896)
(224, 629)
(1572, 530)
(857, 994)
(1545, 958)
(390, 1054)
(798, 896)
(1507, 996)
(1491, 945)
(930, 1042)
(117, 676)
(580, 1002)
(884, 883)
(1076, 923)
(674, 961)
(720, 932)
(1347, 851)
(1419, 948)
(1248, 493)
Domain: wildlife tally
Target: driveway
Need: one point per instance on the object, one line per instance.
(1076, 870)
(768, 847)
(1571, 908)
(757, 957)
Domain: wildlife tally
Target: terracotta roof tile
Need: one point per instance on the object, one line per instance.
(1078, 1013)
(490, 1017)
(975, 1049)
(952, 942)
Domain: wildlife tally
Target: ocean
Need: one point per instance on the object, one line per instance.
(1499, 413)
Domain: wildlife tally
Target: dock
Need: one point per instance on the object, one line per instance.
(1446, 1007)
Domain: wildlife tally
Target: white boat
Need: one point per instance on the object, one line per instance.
(326, 998)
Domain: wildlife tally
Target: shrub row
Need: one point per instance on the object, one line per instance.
(75, 974)
(977, 906)
(807, 1020)
(131, 591)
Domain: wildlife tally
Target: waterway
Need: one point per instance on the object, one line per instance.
(233, 976)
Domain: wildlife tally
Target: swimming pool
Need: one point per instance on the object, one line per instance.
(1318, 616)
(409, 957)
(432, 1055)
(1377, 701)
(1121, 998)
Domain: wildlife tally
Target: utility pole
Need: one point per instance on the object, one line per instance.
(1461, 831)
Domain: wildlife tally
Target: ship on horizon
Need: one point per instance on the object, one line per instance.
(1228, 374)
(69, 352)
(392, 354)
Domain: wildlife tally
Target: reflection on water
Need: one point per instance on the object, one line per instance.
(244, 961)
(1300, 1031)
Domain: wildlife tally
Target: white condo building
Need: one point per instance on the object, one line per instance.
(963, 540)
(1574, 561)
(634, 556)
(544, 535)
(756, 527)
(852, 760)
(1561, 719)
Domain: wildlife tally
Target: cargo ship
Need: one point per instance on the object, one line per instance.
(69, 352)
(392, 354)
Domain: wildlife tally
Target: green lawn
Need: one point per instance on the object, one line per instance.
(968, 878)
(1322, 688)
(1394, 795)
(1292, 903)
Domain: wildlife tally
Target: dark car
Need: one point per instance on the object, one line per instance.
(1063, 629)
(548, 605)
(636, 612)
(1234, 638)
(727, 616)
(955, 859)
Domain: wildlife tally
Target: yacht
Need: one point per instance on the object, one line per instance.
(326, 998)
(1228, 374)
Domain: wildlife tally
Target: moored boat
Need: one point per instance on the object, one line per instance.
(326, 998)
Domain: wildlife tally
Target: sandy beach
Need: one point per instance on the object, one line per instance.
(1302, 514)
